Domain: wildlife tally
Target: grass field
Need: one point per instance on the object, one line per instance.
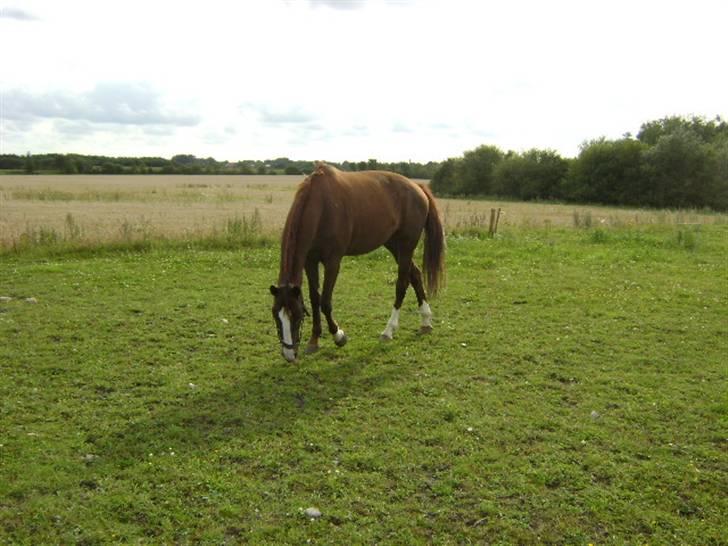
(573, 392)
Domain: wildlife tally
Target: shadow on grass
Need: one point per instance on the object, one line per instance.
(258, 403)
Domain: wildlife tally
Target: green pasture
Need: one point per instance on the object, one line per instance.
(574, 391)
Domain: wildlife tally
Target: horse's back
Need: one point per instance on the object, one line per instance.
(376, 206)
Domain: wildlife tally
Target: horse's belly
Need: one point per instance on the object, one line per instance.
(357, 249)
(368, 239)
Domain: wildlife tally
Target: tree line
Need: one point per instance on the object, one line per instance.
(190, 164)
(671, 162)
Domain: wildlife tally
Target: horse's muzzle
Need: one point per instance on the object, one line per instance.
(289, 352)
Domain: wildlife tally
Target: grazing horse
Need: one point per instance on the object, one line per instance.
(336, 214)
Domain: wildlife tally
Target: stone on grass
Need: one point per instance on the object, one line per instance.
(312, 512)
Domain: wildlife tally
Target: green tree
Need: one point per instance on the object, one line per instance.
(475, 174)
(720, 174)
(681, 171)
(184, 160)
(29, 164)
(535, 174)
(443, 179)
(608, 171)
(66, 164)
(707, 131)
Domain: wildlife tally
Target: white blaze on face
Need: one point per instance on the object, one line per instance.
(426, 314)
(392, 324)
(287, 336)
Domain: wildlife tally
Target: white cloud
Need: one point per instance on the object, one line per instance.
(108, 102)
(17, 14)
(413, 80)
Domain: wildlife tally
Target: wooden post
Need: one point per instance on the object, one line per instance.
(497, 218)
(491, 226)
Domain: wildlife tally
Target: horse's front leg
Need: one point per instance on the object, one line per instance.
(312, 274)
(331, 271)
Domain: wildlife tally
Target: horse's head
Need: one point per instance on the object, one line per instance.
(288, 312)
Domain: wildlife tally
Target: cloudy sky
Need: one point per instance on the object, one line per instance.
(394, 80)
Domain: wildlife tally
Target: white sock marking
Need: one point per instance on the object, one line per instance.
(426, 314)
(339, 335)
(287, 337)
(392, 324)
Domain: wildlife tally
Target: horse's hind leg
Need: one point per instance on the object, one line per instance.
(404, 266)
(331, 271)
(312, 274)
(424, 307)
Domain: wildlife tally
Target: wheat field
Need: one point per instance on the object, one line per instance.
(118, 207)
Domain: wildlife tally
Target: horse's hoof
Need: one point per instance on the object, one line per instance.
(310, 349)
(341, 341)
(384, 338)
(425, 330)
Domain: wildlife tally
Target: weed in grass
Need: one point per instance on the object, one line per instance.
(243, 228)
(687, 238)
(582, 219)
(598, 236)
(40, 236)
(135, 231)
(73, 230)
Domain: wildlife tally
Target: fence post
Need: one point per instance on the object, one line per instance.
(491, 226)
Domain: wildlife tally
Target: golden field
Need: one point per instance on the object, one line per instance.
(119, 207)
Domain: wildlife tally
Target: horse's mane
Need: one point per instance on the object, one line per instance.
(293, 222)
(290, 230)
(322, 169)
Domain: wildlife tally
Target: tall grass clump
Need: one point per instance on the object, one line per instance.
(39, 236)
(583, 219)
(599, 236)
(243, 229)
(475, 225)
(131, 231)
(72, 229)
(236, 232)
(687, 238)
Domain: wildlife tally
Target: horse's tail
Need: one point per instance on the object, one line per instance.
(433, 260)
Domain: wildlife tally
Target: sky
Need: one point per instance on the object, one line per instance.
(409, 80)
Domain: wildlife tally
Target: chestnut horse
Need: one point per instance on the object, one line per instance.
(336, 214)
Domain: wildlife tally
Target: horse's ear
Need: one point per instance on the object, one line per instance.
(274, 290)
(296, 291)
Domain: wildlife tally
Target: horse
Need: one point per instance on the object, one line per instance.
(336, 214)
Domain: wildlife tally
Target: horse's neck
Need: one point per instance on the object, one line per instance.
(291, 271)
(298, 239)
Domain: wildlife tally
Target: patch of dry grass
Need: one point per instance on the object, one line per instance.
(113, 208)
(100, 209)
(467, 215)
